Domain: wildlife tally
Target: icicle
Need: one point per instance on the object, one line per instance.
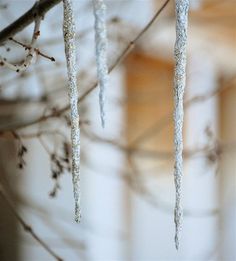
(99, 8)
(182, 7)
(70, 52)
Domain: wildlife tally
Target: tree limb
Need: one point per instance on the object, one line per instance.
(26, 227)
(26, 19)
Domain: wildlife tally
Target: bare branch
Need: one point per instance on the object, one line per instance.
(26, 19)
(37, 51)
(31, 51)
(26, 227)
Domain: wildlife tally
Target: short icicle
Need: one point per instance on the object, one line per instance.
(99, 8)
(181, 8)
(70, 52)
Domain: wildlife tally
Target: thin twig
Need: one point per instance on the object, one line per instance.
(31, 50)
(37, 51)
(26, 19)
(26, 227)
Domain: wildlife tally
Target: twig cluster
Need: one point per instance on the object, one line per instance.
(31, 50)
(59, 164)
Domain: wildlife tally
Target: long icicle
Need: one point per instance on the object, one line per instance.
(182, 7)
(99, 9)
(70, 52)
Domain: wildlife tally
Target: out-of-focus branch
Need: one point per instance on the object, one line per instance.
(40, 9)
(209, 151)
(138, 186)
(26, 227)
(166, 119)
(3, 6)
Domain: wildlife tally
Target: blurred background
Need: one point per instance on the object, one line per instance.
(127, 168)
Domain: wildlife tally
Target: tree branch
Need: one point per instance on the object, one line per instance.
(18, 25)
(26, 227)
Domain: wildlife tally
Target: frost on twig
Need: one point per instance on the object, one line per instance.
(70, 52)
(182, 7)
(31, 51)
(99, 8)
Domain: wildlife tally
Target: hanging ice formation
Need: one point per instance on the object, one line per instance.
(181, 8)
(99, 9)
(70, 52)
